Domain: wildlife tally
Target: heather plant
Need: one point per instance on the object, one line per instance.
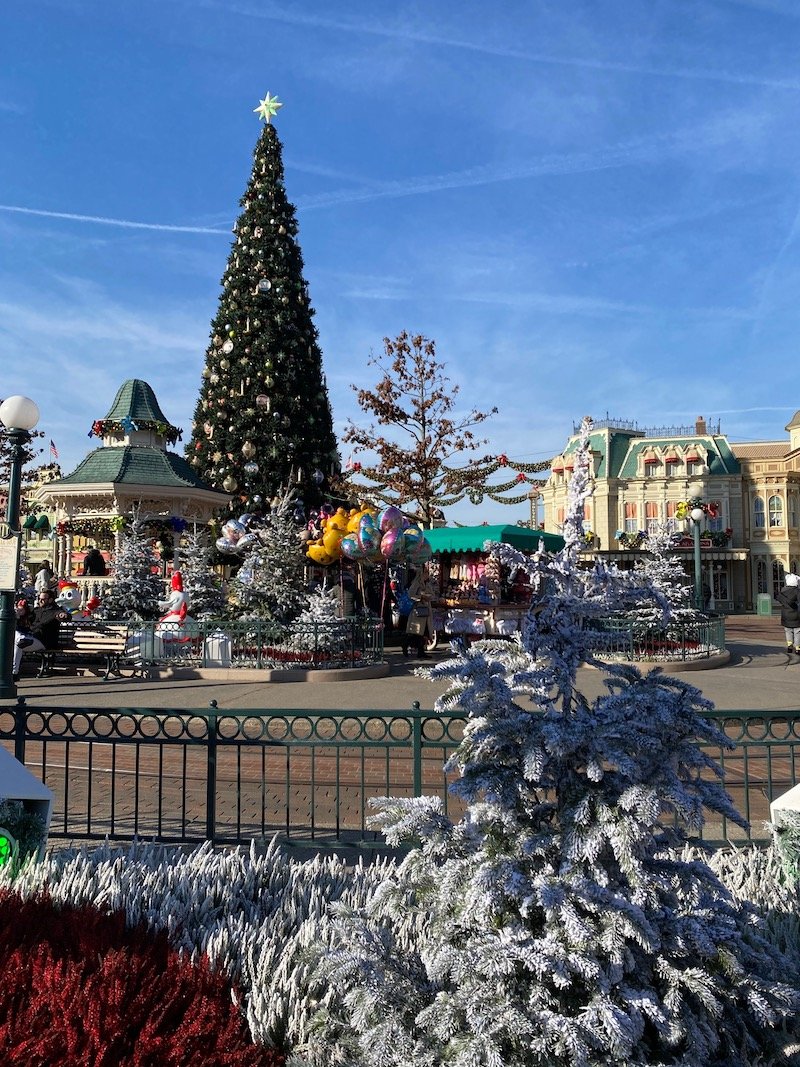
(79, 987)
(557, 923)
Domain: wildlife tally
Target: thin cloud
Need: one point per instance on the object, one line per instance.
(102, 220)
(272, 13)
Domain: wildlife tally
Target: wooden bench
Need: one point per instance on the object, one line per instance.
(86, 642)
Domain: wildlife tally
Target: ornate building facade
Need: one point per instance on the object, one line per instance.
(642, 476)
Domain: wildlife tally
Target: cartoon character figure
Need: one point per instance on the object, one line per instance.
(69, 600)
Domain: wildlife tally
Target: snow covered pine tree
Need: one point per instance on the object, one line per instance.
(136, 587)
(556, 923)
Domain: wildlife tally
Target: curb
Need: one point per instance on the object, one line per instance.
(253, 674)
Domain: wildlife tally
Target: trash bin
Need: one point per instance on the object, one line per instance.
(217, 650)
(763, 604)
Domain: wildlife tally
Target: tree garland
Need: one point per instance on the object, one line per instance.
(377, 491)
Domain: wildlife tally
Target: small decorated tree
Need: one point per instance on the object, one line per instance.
(136, 586)
(201, 584)
(271, 581)
(557, 923)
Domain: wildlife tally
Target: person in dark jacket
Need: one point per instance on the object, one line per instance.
(43, 629)
(93, 562)
(789, 600)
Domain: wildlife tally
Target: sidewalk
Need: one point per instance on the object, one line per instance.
(758, 676)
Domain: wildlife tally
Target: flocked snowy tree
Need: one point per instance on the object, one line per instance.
(319, 627)
(201, 584)
(556, 923)
(271, 581)
(136, 586)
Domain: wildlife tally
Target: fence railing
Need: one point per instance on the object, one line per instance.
(352, 642)
(232, 775)
(628, 639)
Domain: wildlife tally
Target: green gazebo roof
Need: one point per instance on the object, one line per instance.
(136, 400)
(134, 465)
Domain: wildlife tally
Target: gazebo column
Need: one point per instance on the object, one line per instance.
(67, 567)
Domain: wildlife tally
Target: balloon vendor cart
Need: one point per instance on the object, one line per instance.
(476, 597)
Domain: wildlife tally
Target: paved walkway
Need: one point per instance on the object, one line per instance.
(758, 676)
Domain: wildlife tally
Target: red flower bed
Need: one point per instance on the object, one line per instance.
(78, 989)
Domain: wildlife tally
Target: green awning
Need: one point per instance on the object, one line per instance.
(42, 523)
(473, 538)
(29, 523)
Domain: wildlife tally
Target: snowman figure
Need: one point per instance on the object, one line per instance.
(173, 625)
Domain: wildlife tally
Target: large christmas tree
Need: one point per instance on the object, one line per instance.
(263, 419)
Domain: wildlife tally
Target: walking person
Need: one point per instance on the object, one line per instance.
(419, 627)
(45, 579)
(789, 600)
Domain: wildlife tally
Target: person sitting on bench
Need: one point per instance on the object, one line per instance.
(43, 629)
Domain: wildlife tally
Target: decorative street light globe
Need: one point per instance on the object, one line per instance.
(19, 413)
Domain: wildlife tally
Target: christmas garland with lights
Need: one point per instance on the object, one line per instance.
(109, 427)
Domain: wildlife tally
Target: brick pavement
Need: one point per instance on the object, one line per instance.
(758, 676)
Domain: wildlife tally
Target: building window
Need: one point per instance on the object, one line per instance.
(758, 518)
(778, 575)
(716, 524)
(761, 577)
(793, 509)
(672, 468)
(560, 518)
(775, 511)
(651, 515)
(694, 466)
(672, 522)
(587, 514)
(631, 523)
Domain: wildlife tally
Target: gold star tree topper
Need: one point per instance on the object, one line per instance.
(267, 107)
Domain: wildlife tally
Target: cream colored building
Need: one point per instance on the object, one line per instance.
(641, 476)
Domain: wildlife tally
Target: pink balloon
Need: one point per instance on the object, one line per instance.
(391, 544)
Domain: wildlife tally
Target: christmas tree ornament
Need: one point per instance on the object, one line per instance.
(264, 285)
(251, 468)
(230, 485)
(248, 449)
(262, 401)
(227, 348)
(224, 364)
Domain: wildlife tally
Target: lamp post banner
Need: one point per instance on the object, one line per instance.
(9, 562)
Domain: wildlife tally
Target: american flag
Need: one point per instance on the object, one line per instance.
(53, 449)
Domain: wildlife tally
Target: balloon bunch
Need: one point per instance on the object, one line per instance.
(238, 535)
(368, 536)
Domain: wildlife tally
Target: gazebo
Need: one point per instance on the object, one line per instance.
(132, 471)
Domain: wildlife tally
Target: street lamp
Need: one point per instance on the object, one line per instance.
(19, 415)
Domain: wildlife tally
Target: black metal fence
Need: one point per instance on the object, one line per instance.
(232, 775)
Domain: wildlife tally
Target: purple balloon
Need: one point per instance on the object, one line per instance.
(391, 518)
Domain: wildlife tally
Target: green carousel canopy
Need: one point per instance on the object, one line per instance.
(473, 538)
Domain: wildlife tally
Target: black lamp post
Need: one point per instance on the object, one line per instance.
(19, 415)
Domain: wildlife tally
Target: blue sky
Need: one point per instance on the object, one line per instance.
(592, 207)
